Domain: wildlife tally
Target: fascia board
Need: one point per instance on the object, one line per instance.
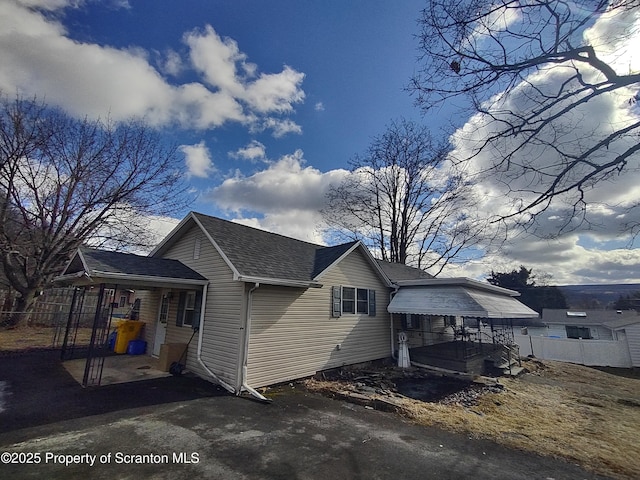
(146, 278)
(278, 281)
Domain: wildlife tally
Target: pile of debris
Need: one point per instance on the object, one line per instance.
(387, 388)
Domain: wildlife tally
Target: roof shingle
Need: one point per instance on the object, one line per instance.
(261, 254)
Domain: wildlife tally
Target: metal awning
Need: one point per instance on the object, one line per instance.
(459, 301)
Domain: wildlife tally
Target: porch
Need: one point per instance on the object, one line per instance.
(459, 324)
(459, 356)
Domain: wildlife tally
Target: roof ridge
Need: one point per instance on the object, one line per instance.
(268, 232)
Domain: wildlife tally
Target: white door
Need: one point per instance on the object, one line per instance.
(161, 324)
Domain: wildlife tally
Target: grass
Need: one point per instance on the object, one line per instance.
(34, 337)
(584, 415)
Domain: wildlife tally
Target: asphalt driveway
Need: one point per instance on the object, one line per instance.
(175, 428)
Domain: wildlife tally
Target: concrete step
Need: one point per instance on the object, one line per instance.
(514, 372)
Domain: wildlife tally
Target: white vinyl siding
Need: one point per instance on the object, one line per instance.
(223, 309)
(293, 332)
(633, 340)
(148, 314)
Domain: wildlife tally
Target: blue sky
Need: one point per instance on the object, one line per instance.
(356, 57)
(267, 100)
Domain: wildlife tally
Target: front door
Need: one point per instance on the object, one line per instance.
(161, 324)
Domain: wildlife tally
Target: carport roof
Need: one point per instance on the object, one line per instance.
(101, 266)
(459, 297)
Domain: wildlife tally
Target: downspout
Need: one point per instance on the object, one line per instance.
(225, 385)
(393, 335)
(245, 351)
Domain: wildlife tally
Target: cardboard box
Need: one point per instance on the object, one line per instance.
(169, 353)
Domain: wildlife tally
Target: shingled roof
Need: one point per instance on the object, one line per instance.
(255, 253)
(118, 265)
(399, 271)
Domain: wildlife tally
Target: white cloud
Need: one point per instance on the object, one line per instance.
(319, 107)
(279, 127)
(198, 160)
(253, 151)
(171, 63)
(593, 252)
(218, 60)
(38, 58)
(609, 200)
(275, 92)
(565, 260)
(287, 195)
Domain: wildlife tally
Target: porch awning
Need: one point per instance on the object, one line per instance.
(458, 301)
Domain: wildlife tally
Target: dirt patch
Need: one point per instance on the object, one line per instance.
(430, 390)
(558, 409)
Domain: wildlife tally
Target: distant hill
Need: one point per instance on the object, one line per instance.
(596, 296)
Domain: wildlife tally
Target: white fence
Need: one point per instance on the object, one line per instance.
(602, 353)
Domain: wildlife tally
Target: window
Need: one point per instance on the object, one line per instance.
(363, 300)
(189, 303)
(123, 301)
(189, 308)
(353, 300)
(578, 332)
(348, 300)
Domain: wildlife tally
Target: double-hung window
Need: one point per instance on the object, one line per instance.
(353, 300)
(189, 308)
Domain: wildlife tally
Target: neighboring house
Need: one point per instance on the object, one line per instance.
(257, 308)
(591, 337)
(586, 324)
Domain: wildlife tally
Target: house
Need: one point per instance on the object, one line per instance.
(257, 308)
(587, 324)
(612, 336)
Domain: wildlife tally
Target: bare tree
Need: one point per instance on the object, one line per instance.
(528, 72)
(400, 199)
(65, 182)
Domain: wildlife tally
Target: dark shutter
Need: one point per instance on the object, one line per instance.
(372, 303)
(336, 301)
(181, 301)
(197, 308)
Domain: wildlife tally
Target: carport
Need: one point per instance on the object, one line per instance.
(97, 276)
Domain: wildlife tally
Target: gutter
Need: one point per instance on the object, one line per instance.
(244, 386)
(222, 383)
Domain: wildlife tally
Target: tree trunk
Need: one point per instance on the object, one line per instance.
(22, 310)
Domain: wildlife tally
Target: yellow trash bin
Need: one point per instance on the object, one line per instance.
(127, 330)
